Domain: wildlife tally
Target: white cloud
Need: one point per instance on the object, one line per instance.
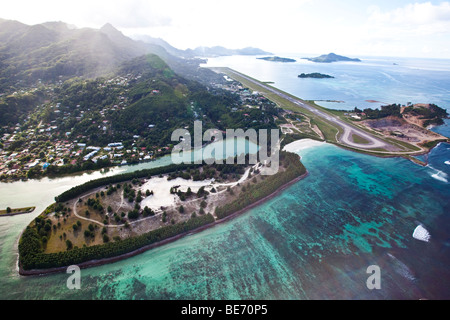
(423, 18)
(127, 14)
(232, 23)
(416, 29)
(303, 26)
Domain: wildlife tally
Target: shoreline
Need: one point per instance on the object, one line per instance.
(77, 173)
(97, 263)
(17, 213)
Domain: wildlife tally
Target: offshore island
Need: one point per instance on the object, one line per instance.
(277, 59)
(315, 75)
(331, 57)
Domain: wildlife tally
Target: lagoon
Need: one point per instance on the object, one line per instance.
(315, 240)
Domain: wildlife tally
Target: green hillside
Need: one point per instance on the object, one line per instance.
(53, 52)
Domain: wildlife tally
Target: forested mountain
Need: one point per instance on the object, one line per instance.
(66, 94)
(52, 52)
(162, 43)
(55, 51)
(221, 51)
(143, 97)
(200, 51)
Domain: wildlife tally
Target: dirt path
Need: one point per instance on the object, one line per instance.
(158, 211)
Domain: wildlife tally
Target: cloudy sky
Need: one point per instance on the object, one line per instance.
(349, 27)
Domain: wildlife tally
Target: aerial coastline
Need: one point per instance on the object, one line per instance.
(171, 202)
(227, 200)
(99, 262)
(176, 151)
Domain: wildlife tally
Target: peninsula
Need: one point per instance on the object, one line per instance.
(331, 57)
(112, 218)
(315, 75)
(277, 59)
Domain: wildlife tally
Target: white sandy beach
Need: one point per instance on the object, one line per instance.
(161, 189)
(302, 145)
(161, 186)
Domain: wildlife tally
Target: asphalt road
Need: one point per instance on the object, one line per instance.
(347, 129)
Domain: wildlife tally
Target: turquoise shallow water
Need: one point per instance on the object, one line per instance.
(313, 241)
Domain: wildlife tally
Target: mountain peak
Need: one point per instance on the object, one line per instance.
(331, 57)
(112, 33)
(108, 27)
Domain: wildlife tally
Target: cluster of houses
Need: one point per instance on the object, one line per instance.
(63, 148)
(66, 149)
(68, 152)
(354, 115)
(249, 99)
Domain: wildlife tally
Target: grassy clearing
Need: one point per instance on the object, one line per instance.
(329, 132)
(359, 140)
(432, 144)
(405, 145)
(379, 152)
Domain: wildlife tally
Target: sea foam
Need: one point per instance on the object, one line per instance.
(439, 175)
(420, 233)
(402, 268)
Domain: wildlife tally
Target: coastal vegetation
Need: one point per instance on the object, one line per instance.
(432, 144)
(31, 242)
(277, 59)
(13, 211)
(315, 75)
(58, 222)
(83, 116)
(292, 169)
(427, 113)
(78, 190)
(384, 111)
(331, 57)
(431, 114)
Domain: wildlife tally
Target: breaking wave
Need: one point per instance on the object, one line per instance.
(439, 175)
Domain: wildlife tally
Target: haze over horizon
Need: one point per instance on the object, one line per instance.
(372, 28)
